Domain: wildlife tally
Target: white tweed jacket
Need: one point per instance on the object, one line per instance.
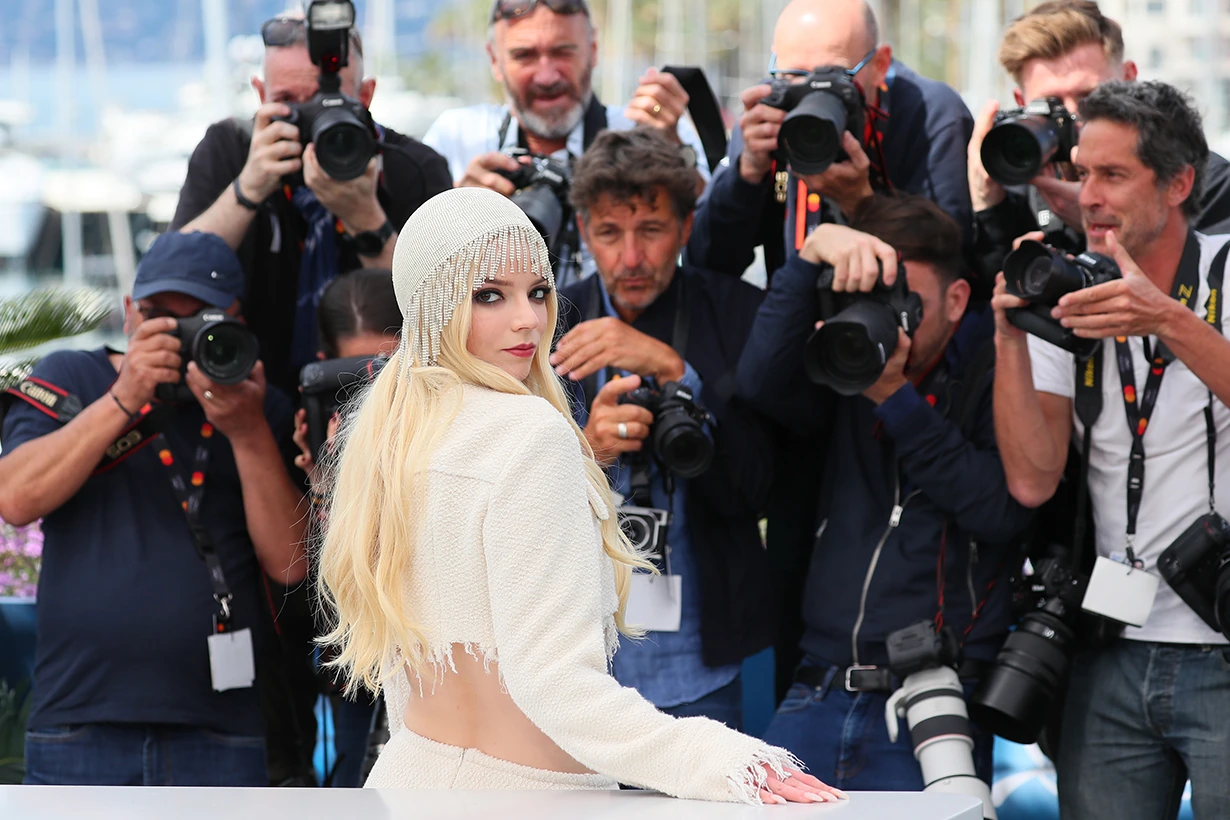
(511, 566)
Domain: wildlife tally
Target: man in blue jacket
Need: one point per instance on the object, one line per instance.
(914, 520)
(644, 317)
(914, 141)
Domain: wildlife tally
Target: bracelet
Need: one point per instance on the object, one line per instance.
(241, 199)
(131, 415)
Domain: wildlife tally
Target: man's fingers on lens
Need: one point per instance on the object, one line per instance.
(986, 119)
(1036, 236)
(631, 430)
(751, 97)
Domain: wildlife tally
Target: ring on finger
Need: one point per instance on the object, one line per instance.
(209, 395)
(622, 428)
(657, 108)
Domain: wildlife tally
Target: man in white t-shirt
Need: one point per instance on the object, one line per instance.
(543, 53)
(1151, 710)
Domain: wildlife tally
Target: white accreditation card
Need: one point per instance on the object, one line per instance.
(655, 602)
(1120, 592)
(231, 663)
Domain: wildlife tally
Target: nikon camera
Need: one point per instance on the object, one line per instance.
(223, 348)
(1042, 275)
(338, 125)
(542, 185)
(677, 435)
(822, 107)
(859, 334)
(1024, 140)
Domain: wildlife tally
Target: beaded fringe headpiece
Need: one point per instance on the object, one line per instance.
(449, 247)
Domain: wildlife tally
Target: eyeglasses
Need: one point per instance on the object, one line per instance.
(281, 32)
(776, 72)
(514, 9)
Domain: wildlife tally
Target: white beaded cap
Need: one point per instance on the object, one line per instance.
(448, 247)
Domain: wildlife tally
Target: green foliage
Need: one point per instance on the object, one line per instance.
(14, 712)
(42, 316)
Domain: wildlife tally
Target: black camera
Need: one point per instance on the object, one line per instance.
(542, 185)
(1197, 566)
(223, 348)
(338, 125)
(859, 334)
(328, 385)
(1015, 698)
(822, 107)
(1041, 275)
(678, 434)
(1023, 140)
(646, 529)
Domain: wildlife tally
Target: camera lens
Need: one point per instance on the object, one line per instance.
(637, 530)
(1013, 701)
(1015, 150)
(544, 209)
(226, 352)
(343, 143)
(1035, 272)
(849, 352)
(681, 443)
(811, 133)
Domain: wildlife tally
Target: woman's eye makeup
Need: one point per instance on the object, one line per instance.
(540, 293)
(488, 296)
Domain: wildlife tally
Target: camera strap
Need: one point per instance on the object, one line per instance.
(1186, 285)
(594, 123)
(64, 406)
(191, 492)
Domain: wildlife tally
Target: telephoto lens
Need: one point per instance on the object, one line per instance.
(811, 133)
(223, 348)
(1042, 275)
(932, 701)
(1024, 140)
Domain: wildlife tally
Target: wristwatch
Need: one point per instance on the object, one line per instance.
(371, 243)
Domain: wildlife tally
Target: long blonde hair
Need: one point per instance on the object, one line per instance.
(379, 474)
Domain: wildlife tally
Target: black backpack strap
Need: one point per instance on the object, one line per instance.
(703, 106)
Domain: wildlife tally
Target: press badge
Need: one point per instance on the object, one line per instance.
(231, 663)
(655, 602)
(1120, 592)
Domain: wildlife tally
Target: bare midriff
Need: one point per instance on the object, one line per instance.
(468, 709)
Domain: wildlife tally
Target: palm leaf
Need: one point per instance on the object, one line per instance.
(12, 372)
(45, 315)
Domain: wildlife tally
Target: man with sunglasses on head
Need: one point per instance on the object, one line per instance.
(294, 227)
(543, 53)
(914, 142)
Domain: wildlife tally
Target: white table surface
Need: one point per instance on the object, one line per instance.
(132, 803)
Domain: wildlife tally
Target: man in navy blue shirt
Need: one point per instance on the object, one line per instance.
(913, 520)
(642, 317)
(144, 667)
(915, 142)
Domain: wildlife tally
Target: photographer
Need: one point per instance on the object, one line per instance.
(543, 53)
(643, 317)
(913, 141)
(258, 186)
(1148, 711)
(1062, 49)
(160, 518)
(914, 514)
(358, 317)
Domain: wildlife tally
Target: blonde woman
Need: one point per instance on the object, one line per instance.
(472, 564)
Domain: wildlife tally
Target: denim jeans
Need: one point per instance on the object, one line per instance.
(118, 754)
(1141, 720)
(842, 738)
(724, 705)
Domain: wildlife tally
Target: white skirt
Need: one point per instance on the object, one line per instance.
(411, 761)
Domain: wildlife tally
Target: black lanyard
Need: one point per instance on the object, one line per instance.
(191, 492)
(1186, 285)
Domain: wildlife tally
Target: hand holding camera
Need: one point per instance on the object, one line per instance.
(658, 102)
(760, 126)
(353, 201)
(856, 257)
(275, 152)
(153, 359)
(484, 171)
(613, 428)
(984, 191)
(235, 409)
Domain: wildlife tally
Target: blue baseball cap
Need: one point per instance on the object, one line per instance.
(198, 264)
